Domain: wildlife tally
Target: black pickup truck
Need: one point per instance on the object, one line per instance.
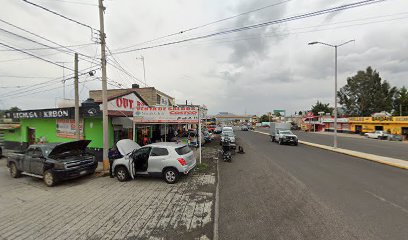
(53, 162)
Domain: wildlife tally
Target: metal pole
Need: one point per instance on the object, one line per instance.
(335, 97)
(199, 130)
(77, 134)
(105, 120)
(165, 132)
(144, 71)
(400, 109)
(63, 80)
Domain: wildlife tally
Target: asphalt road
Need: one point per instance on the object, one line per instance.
(374, 146)
(288, 192)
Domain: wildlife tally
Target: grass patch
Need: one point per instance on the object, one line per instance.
(202, 167)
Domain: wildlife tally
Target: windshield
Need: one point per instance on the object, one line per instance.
(46, 150)
(183, 150)
(285, 132)
(229, 134)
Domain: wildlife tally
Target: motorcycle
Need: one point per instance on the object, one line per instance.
(226, 150)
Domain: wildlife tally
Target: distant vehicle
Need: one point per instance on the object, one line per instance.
(218, 130)
(168, 160)
(211, 128)
(280, 133)
(189, 135)
(229, 135)
(54, 162)
(286, 137)
(227, 129)
(377, 135)
(244, 128)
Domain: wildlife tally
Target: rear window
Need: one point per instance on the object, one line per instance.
(159, 152)
(183, 150)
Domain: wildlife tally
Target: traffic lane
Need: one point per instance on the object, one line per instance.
(373, 146)
(371, 196)
(260, 200)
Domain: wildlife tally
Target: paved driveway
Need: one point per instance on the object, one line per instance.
(104, 208)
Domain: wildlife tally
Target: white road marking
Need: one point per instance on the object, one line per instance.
(389, 202)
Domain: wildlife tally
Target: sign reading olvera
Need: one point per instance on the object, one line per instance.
(175, 115)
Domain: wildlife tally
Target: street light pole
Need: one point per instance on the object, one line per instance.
(144, 70)
(335, 84)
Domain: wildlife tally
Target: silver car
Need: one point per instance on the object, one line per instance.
(168, 160)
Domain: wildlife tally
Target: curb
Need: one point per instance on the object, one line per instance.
(394, 162)
(216, 207)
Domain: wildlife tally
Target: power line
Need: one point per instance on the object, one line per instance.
(46, 39)
(60, 15)
(14, 76)
(279, 21)
(43, 59)
(206, 24)
(27, 92)
(74, 2)
(45, 48)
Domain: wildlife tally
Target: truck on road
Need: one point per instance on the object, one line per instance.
(53, 162)
(280, 133)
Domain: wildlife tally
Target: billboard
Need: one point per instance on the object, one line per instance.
(165, 115)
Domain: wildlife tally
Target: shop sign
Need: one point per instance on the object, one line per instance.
(382, 118)
(66, 128)
(401, 119)
(164, 101)
(159, 114)
(44, 113)
(339, 120)
(125, 103)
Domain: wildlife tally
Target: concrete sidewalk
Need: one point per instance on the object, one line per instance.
(372, 157)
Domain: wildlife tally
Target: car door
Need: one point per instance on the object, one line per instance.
(140, 159)
(37, 162)
(26, 160)
(156, 159)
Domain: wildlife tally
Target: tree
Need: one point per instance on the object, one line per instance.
(321, 107)
(366, 93)
(401, 102)
(14, 109)
(264, 118)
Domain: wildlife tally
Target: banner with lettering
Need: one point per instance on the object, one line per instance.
(175, 115)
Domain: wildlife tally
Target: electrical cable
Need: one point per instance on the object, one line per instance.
(206, 24)
(43, 59)
(279, 21)
(60, 15)
(46, 48)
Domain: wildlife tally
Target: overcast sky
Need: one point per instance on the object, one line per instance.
(253, 71)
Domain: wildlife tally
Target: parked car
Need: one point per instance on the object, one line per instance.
(244, 128)
(230, 136)
(168, 160)
(189, 135)
(218, 130)
(53, 162)
(227, 129)
(377, 135)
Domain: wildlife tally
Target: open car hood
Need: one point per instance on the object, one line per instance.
(69, 146)
(126, 146)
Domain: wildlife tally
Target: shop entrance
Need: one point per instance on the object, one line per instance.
(359, 128)
(379, 128)
(404, 132)
(31, 136)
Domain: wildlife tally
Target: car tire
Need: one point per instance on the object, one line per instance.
(14, 172)
(121, 174)
(296, 143)
(49, 178)
(171, 175)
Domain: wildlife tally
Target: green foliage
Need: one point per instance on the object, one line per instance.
(264, 118)
(401, 102)
(366, 93)
(321, 107)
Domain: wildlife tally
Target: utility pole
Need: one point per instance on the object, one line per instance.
(144, 70)
(63, 79)
(104, 90)
(400, 109)
(77, 134)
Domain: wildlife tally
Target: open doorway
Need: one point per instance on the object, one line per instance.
(31, 136)
(379, 128)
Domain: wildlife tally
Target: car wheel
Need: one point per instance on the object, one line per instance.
(121, 173)
(171, 175)
(49, 178)
(14, 172)
(296, 143)
(280, 142)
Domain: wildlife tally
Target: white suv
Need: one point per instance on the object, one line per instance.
(166, 159)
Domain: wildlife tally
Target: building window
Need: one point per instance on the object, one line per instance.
(158, 99)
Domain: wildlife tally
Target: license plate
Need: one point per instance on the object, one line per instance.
(82, 172)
